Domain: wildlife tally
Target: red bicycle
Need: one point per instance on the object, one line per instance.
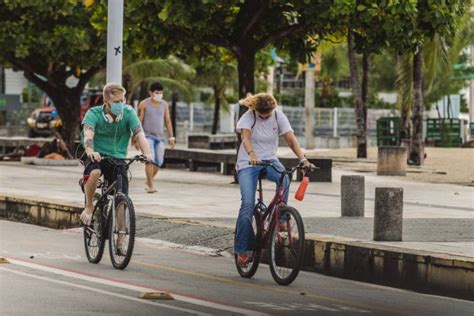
(278, 227)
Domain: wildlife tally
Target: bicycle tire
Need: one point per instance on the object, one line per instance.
(121, 198)
(253, 265)
(97, 223)
(289, 255)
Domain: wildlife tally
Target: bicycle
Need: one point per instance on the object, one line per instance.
(286, 245)
(113, 218)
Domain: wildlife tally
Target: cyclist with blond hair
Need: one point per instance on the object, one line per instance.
(260, 128)
(107, 132)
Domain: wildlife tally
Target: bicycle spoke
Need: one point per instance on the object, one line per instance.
(286, 249)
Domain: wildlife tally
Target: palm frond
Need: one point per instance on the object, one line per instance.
(184, 89)
(404, 82)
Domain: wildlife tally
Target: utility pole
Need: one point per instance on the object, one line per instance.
(114, 40)
(309, 107)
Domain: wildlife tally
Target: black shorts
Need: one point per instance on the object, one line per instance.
(109, 170)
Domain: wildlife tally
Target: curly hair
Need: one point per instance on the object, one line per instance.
(260, 102)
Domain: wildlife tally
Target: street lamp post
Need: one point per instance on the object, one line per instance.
(114, 40)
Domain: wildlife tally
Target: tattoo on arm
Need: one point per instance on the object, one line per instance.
(137, 130)
(89, 143)
(88, 137)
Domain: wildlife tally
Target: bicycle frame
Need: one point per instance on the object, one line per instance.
(110, 190)
(272, 212)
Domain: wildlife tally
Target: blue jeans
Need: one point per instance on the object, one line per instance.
(248, 179)
(157, 148)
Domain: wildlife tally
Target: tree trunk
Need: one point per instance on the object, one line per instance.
(143, 94)
(357, 96)
(217, 109)
(68, 105)
(174, 101)
(365, 95)
(246, 69)
(416, 156)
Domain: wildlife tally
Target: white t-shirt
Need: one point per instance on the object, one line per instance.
(265, 136)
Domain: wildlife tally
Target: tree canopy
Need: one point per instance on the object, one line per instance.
(50, 41)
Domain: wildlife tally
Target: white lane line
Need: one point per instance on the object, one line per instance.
(91, 289)
(123, 285)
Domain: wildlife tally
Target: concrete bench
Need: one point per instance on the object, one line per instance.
(210, 141)
(225, 162)
(196, 158)
(323, 174)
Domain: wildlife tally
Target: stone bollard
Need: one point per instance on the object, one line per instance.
(352, 196)
(392, 161)
(388, 215)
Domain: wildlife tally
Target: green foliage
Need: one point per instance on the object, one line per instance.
(34, 95)
(50, 33)
(232, 98)
(242, 27)
(50, 41)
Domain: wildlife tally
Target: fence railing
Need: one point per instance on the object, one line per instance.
(327, 121)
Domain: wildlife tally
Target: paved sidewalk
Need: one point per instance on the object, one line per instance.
(438, 217)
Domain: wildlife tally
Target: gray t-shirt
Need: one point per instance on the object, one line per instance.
(154, 119)
(265, 136)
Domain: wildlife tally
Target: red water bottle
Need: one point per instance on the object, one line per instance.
(299, 195)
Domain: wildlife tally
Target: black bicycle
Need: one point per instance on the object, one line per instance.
(278, 227)
(113, 218)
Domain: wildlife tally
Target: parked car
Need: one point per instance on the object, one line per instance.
(43, 121)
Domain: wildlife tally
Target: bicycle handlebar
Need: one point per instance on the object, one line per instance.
(286, 171)
(129, 161)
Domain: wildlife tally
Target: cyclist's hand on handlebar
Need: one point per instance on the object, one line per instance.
(308, 165)
(253, 159)
(148, 157)
(93, 155)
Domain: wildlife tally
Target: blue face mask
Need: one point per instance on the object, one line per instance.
(117, 108)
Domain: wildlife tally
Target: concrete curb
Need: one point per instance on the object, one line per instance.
(50, 214)
(427, 272)
(422, 271)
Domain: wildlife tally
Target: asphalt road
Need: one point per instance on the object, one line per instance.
(48, 274)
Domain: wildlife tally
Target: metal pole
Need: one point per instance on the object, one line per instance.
(309, 107)
(114, 40)
(191, 117)
(334, 123)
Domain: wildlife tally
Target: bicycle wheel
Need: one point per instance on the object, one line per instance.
(255, 248)
(94, 241)
(122, 232)
(286, 246)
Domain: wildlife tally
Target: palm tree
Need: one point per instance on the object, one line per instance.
(333, 65)
(171, 72)
(219, 76)
(433, 80)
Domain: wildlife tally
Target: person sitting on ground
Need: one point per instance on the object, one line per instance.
(56, 149)
(260, 128)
